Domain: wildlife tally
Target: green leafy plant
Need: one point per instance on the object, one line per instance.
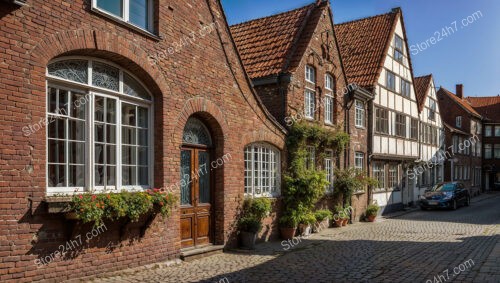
(90, 207)
(323, 214)
(254, 211)
(372, 210)
(349, 180)
(308, 218)
(305, 186)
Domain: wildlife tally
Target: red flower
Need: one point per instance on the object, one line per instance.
(81, 197)
(109, 196)
(156, 190)
(161, 203)
(93, 197)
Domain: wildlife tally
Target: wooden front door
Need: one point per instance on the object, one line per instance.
(196, 195)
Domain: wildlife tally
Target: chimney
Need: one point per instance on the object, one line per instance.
(460, 91)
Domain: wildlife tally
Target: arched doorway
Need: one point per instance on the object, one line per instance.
(196, 185)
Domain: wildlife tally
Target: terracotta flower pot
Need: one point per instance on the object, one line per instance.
(338, 222)
(287, 233)
(371, 218)
(344, 222)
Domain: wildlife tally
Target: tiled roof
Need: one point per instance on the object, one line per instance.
(422, 85)
(363, 46)
(462, 102)
(266, 44)
(488, 106)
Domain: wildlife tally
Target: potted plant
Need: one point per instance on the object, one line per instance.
(338, 217)
(345, 218)
(371, 212)
(322, 219)
(250, 223)
(288, 226)
(306, 221)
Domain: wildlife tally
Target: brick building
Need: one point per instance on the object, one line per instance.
(157, 87)
(295, 67)
(489, 108)
(376, 57)
(463, 139)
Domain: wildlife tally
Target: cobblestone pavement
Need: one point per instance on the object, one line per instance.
(440, 246)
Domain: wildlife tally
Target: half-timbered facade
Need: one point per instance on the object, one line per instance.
(430, 168)
(393, 113)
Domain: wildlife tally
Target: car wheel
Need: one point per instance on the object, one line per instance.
(454, 205)
(467, 201)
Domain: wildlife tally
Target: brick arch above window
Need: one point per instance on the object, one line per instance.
(100, 44)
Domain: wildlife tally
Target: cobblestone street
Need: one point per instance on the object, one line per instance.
(414, 247)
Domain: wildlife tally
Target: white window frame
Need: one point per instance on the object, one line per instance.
(120, 97)
(329, 109)
(126, 14)
(329, 82)
(310, 74)
(264, 182)
(405, 88)
(497, 131)
(329, 166)
(311, 158)
(359, 157)
(359, 113)
(378, 171)
(309, 103)
(458, 121)
(398, 49)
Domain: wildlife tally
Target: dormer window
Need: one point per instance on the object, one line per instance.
(138, 13)
(310, 74)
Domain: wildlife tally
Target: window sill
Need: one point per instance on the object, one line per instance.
(126, 24)
(360, 127)
(58, 204)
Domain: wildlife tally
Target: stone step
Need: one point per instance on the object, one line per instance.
(200, 252)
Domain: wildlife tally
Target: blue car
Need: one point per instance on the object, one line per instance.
(445, 195)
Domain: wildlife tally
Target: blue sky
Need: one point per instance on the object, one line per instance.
(470, 55)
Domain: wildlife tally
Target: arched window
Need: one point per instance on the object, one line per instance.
(195, 132)
(262, 170)
(99, 121)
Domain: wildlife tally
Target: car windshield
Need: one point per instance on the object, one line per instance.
(444, 187)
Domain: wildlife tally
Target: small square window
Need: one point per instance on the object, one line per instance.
(328, 82)
(458, 121)
(136, 12)
(309, 104)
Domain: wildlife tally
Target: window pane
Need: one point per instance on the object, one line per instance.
(128, 135)
(143, 176)
(99, 108)
(110, 110)
(105, 76)
(99, 132)
(57, 151)
(52, 100)
(76, 130)
(73, 70)
(62, 106)
(111, 175)
(77, 153)
(56, 128)
(76, 176)
(185, 177)
(133, 87)
(139, 13)
(204, 179)
(110, 154)
(110, 134)
(99, 175)
(143, 117)
(57, 176)
(78, 105)
(114, 7)
(143, 156)
(99, 153)
(129, 175)
(128, 114)
(143, 137)
(128, 155)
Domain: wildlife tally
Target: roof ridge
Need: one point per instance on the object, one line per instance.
(273, 15)
(366, 18)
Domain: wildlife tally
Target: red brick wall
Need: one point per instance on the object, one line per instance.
(204, 78)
